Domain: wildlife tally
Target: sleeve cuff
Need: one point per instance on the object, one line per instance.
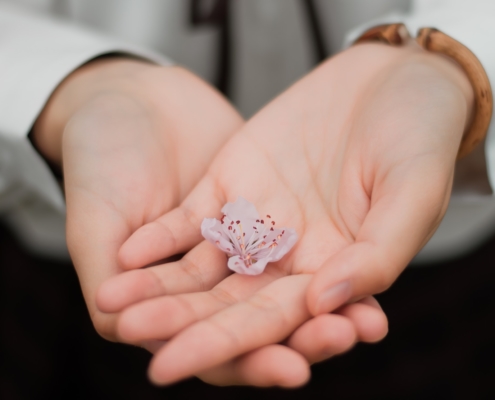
(39, 54)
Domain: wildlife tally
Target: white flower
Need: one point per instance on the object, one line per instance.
(251, 242)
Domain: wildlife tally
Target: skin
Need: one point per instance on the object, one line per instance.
(358, 157)
(133, 140)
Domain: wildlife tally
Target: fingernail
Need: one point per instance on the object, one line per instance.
(334, 297)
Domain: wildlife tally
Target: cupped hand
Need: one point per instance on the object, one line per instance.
(133, 138)
(358, 157)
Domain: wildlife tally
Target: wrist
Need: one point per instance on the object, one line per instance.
(479, 110)
(103, 75)
(418, 65)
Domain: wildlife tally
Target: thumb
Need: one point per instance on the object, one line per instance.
(403, 215)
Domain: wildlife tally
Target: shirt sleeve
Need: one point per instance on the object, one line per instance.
(36, 54)
(470, 23)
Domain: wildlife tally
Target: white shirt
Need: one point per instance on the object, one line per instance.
(43, 41)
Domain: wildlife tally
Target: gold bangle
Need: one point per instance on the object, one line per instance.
(433, 40)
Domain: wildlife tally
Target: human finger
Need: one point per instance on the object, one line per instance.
(323, 337)
(265, 318)
(163, 317)
(400, 221)
(368, 318)
(174, 232)
(272, 365)
(199, 270)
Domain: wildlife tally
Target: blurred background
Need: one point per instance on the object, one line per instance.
(440, 345)
(442, 330)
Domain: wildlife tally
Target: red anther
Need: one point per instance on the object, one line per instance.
(274, 240)
(237, 222)
(254, 227)
(273, 222)
(243, 233)
(264, 236)
(283, 232)
(257, 220)
(262, 221)
(268, 216)
(231, 222)
(230, 227)
(271, 228)
(234, 230)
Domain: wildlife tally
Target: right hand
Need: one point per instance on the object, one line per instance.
(134, 139)
(358, 157)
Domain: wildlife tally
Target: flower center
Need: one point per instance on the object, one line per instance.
(263, 238)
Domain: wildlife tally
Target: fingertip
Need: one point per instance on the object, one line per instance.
(323, 337)
(298, 375)
(149, 243)
(122, 290)
(324, 295)
(126, 256)
(274, 365)
(160, 373)
(371, 322)
(108, 296)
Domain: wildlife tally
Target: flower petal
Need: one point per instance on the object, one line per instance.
(241, 209)
(237, 265)
(211, 229)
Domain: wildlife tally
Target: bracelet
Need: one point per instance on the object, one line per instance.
(433, 40)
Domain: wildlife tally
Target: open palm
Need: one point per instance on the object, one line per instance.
(357, 157)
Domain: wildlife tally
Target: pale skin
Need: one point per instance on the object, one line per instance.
(358, 157)
(133, 140)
